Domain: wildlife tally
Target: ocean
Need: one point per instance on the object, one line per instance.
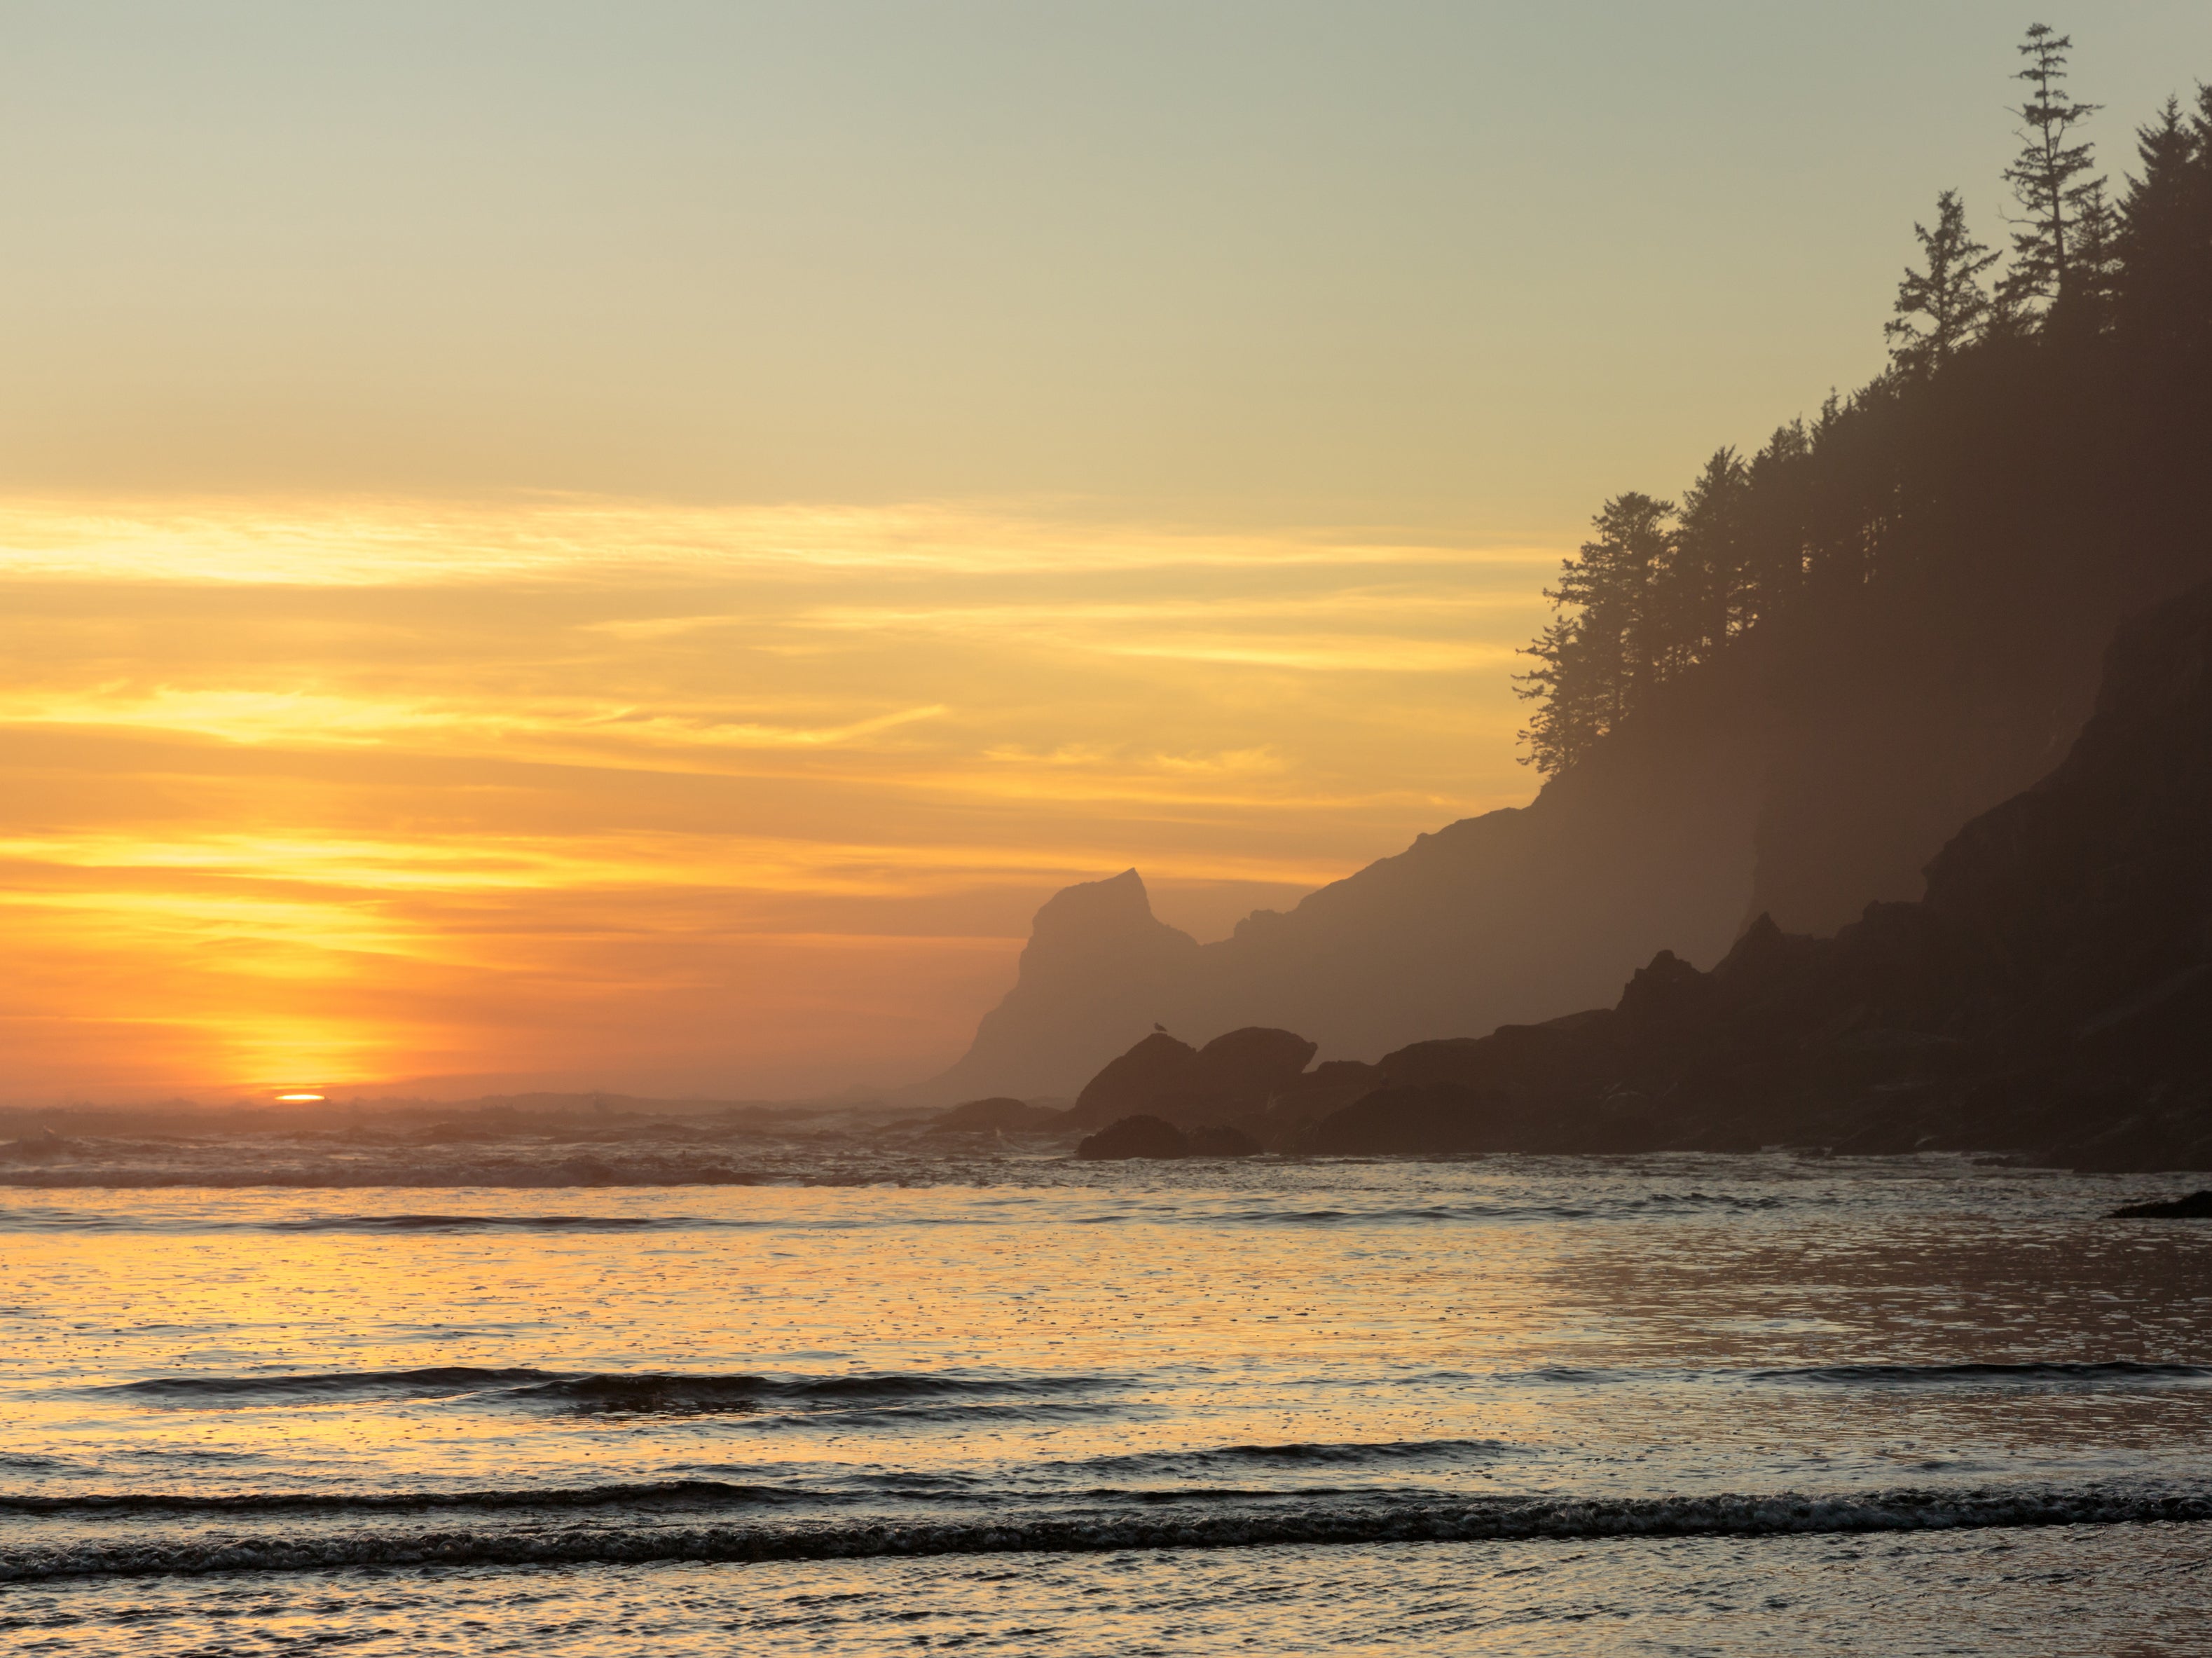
(847, 1392)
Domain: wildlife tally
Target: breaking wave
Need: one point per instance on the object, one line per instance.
(1645, 1204)
(1782, 1515)
(2099, 1374)
(485, 1222)
(640, 1493)
(1350, 1455)
(611, 1393)
(431, 1383)
(586, 1171)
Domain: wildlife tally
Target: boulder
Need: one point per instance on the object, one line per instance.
(1221, 1139)
(1134, 1136)
(1232, 1076)
(1423, 1117)
(1243, 1070)
(1134, 1081)
(1000, 1114)
(43, 1146)
(1329, 1086)
(2198, 1206)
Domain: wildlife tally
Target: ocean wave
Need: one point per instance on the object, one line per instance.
(579, 1171)
(1427, 1214)
(967, 1415)
(1348, 1454)
(1402, 1215)
(430, 1382)
(1788, 1513)
(638, 1493)
(2101, 1373)
(485, 1224)
(609, 1392)
(660, 1394)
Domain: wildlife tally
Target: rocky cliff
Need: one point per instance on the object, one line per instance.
(2051, 995)
(1094, 976)
(1802, 777)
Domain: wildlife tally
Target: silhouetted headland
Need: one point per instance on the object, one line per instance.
(1764, 709)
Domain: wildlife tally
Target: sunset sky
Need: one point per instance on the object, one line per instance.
(631, 546)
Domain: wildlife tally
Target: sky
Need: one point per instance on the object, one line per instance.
(630, 547)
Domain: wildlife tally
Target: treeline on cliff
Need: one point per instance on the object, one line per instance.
(2042, 428)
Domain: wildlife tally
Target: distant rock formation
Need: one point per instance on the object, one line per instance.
(1093, 977)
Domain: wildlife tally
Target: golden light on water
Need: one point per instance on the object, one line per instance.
(614, 795)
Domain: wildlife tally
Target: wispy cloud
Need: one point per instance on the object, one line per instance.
(385, 789)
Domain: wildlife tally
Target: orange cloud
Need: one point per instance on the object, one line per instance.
(747, 802)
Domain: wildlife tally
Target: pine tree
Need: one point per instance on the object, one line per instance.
(1947, 297)
(1779, 511)
(2164, 240)
(1595, 665)
(1706, 592)
(1567, 723)
(2049, 179)
(1613, 581)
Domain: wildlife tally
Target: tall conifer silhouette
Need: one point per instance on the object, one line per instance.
(1705, 597)
(2165, 230)
(2062, 204)
(1944, 308)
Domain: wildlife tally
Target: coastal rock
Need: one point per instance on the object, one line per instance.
(1235, 1075)
(1134, 1081)
(2198, 1206)
(1329, 1086)
(43, 1146)
(1222, 1139)
(1134, 1136)
(1419, 1118)
(1231, 1076)
(1001, 1113)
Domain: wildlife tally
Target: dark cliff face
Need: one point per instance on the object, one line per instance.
(2052, 994)
(1886, 732)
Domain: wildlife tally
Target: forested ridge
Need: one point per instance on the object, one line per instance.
(2044, 424)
